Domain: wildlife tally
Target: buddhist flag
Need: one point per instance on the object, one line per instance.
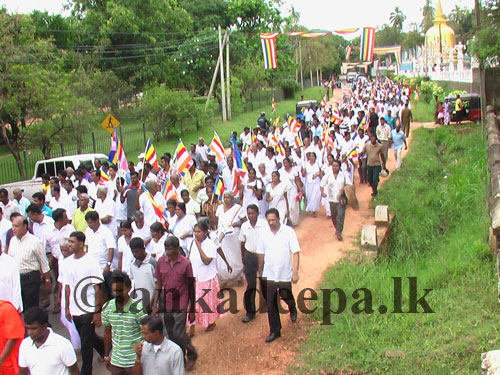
(354, 155)
(273, 106)
(269, 49)
(346, 31)
(182, 159)
(367, 43)
(316, 33)
(417, 96)
(294, 124)
(168, 191)
(323, 101)
(216, 147)
(113, 157)
(298, 142)
(104, 176)
(219, 187)
(150, 155)
(160, 211)
(238, 160)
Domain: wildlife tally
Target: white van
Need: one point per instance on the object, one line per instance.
(52, 166)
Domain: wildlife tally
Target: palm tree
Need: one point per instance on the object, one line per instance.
(397, 18)
(294, 15)
(429, 12)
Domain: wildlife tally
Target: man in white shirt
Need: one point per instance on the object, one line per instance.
(82, 277)
(279, 258)
(249, 236)
(100, 242)
(105, 207)
(246, 136)
(72, 196)
(8, 207)
(145, 204)
(332, 186)
(228, 173)
(62, 229)
(45, 352)
(58, 199)
(42, 225)
(202, 149)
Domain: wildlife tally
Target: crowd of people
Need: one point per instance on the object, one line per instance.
(99, 246)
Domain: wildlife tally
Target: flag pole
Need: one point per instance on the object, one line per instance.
(142, 169)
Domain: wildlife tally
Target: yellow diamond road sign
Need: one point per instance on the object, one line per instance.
(109, 123)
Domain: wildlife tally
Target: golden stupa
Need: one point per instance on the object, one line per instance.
(440, 38)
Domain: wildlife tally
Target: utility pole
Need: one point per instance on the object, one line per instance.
(300, 58)
(216, 70)
(223, 89)
(228, 77)
(296, 64)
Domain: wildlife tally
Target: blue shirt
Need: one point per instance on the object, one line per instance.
(47, 210)
(390, 121)
(398, 139)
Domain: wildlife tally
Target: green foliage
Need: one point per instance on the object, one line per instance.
(290, 87)
(486, 44)
(255, 15)
(397, 18)
(428, 13)
(388, 36)
(428, 90)
(440, 201)
(462, 21)
(412, 39)
(170, 112)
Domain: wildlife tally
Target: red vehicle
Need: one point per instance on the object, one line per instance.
(472, 105)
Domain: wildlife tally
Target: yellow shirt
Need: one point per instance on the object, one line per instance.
(191, 182)
(79, 219)
(458, 105)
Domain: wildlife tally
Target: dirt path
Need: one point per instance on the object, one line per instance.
(237, 348)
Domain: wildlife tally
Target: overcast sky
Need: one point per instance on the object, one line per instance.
(314, 14)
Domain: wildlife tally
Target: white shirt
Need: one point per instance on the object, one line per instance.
(8, 209)
(53, 357)
(144, 232)
(98, 244)
(228, 177)
(128, 256)
(10, 282)
(73, 199)
(250, 235)
(81, 274)
(54, 237)
(277, 249)
(201, 271)
(29, 254)
(333, 185)
(107, 208)
(202, 152)
(192, 208)
(157, 249)
(44, 228)
(246, 138)
(5, 225)
(182, 227)
(63, 202)
(148, 209)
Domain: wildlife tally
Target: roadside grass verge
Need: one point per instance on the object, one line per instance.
(440, 237)
(423, 111)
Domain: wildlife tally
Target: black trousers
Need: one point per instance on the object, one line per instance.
(90, 341)
(373, 178)
(175, 323)
(338, 216)
(271, 290)
(362, 171)
(30, 289)
(250, 266)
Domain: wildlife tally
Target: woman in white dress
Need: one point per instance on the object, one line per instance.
(125, 256)
(202, 254)
(311, 172)
(276, 196)
(291, 175)
(158, 236)
(230, 216)
(252, 189)
(183, 227)
(265, 179)
(327, 168)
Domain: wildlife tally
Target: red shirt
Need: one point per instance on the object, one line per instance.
(11, 327)
(175, 281)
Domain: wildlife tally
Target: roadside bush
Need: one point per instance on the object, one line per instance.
(290, 87)
(428, 90)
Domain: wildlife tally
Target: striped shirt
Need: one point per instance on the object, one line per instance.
(125, 330)
(29, 254)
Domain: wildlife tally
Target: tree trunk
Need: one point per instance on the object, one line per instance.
(13, 150)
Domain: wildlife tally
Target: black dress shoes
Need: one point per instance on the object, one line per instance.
(273, 336)
(293, 315)
(248, 318)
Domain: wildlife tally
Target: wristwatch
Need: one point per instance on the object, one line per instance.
(108, 263)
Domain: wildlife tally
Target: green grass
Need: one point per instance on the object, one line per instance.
(440, 236)
(423, 111)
